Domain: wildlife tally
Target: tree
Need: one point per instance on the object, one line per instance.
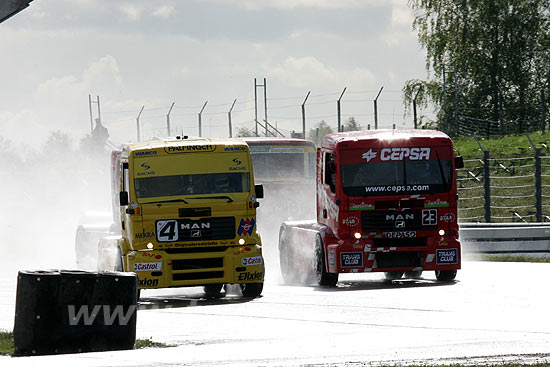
(500, 51)
(351, 125)
(245, 132)
(321, 129)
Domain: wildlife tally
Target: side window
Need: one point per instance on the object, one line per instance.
(330, 173)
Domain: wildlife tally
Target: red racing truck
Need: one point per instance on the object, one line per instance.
(386, 202)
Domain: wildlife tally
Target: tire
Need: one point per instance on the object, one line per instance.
(445, 275)
(118, 264)
(286, 263)
(213, 290)
(393, 275)
(413, 274)
(324, 278)
(252, 290)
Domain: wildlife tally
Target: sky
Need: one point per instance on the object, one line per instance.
(56, 53)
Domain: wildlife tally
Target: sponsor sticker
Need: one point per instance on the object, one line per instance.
(447, 217)
(189, 148)
(246, 227)
(351, 221)
(351, 259)
(146, 282)
(401, 234)
(449, 256)
(361, 206)
(255, 260)
(148, 266)
(248, 276)
(437, 203)
(331, 258)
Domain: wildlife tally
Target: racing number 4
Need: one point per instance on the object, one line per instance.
(167, 230)
(429, 217)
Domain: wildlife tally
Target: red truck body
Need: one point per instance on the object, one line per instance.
(386, 202)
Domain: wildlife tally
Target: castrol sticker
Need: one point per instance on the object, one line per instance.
(147, 266)
(255, 260)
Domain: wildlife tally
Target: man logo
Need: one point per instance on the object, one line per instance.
(369, 155)
(400, 224)
(195, 233)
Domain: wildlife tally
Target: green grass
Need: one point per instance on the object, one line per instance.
(508, 146)
(511, 170)
(149, 343)
(6, 342)
(514, 258)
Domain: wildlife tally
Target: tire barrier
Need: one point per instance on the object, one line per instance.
(60, 311)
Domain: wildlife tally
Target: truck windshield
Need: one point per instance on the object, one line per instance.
(396, 177)
(192, 184)
(281, 166)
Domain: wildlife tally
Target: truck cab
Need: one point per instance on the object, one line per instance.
(188, 215)
(386, 202)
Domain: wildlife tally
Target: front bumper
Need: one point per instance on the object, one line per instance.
(195, 267)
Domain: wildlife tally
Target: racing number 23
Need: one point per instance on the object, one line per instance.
(429, 217)
(167, 230)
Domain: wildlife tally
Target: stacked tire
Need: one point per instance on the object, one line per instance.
(61, 311)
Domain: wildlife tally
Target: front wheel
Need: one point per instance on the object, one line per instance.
(212, 290)
(286, 259)
(445, 275)
(252, 290)
(324, 278)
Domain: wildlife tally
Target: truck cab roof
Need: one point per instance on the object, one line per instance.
(332, 140)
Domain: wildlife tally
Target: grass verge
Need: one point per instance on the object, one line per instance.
(6, 343)
(514, 258)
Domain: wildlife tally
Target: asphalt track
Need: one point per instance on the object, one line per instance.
(493, 312)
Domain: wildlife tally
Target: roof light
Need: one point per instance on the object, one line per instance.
(442, 232)
(357, 235)
(150, 246)
(241, 241)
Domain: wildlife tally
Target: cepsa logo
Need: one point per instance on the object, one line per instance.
(398, 154)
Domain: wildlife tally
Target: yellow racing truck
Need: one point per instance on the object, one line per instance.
(188, 215)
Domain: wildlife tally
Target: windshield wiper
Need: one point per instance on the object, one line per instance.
(167, 201)
(229, 200)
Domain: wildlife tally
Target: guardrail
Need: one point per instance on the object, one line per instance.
(495, 238)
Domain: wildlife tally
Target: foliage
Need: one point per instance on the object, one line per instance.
(500, 50)
(6, 342)
(316, 133)
(351, 125)
(245, 132)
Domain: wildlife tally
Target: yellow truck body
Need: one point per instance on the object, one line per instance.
(188, 214)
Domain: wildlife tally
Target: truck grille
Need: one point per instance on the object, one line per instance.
(198, 276)
(206, 229)
(400, 242)
(391, 220)
(194, 264)
(398, 259)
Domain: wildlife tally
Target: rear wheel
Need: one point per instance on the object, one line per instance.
(445, 275)
(324, 278)
(212, 290)
(252, 290)
(393, 275)
(414, 274)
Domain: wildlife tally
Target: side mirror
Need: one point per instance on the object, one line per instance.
(123, 198)
(259, 191)
(459, 162)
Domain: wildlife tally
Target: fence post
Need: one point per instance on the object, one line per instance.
(487, 186)
(538, 185)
